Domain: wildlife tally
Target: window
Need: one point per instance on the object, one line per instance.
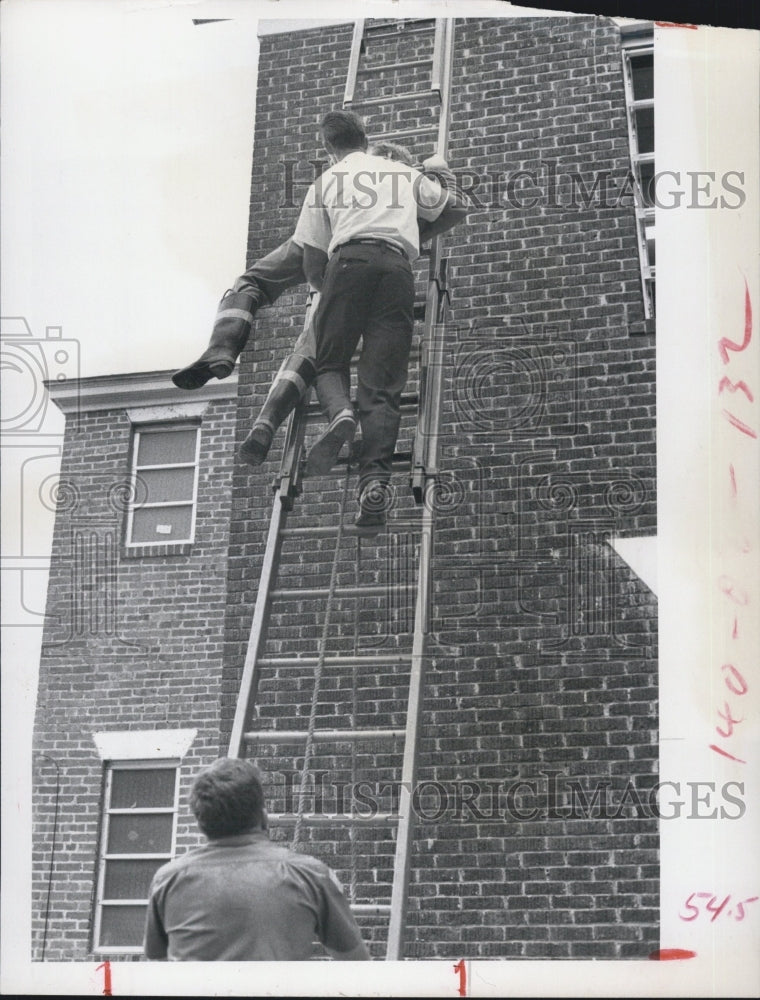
(638, 74)
(139, 825)
(165, 477)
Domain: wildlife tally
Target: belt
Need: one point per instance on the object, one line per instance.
(369, 240)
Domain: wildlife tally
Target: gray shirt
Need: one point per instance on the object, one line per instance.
(245, 898)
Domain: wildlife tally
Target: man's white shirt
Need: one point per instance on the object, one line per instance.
(368, 197)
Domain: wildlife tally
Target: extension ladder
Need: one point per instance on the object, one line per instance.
(420, 460)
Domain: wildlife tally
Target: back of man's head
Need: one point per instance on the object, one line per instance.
(227, 798)
(343, 131)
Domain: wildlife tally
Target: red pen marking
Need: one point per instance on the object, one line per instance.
(726, 383)
(739, 424)
(725, 345)
(729, 719)
(732, 476)
(743, 686)
(106, 967)
(726, 584)
(734, 632)
(713, 907)
(725, 753)
(715, 910)
(740, 908)
(461, 968)
(674, 24)
(669, 954)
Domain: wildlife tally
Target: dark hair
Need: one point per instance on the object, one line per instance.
(343, 130)
(227, 798)
(392, 151)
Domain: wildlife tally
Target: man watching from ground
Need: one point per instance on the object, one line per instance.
(240, 897)
(358, 227)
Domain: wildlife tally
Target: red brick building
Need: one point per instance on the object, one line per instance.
(535, 835)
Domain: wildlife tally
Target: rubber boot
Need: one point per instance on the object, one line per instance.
(232, 328)
(289, 387)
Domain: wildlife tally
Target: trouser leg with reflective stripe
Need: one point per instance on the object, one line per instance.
(289, 387)
(290, 384)
(260, 285)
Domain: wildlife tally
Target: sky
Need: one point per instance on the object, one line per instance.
(126, 166)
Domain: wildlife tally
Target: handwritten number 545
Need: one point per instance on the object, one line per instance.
(714, 908)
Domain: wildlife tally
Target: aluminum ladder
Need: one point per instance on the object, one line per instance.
(421, 462)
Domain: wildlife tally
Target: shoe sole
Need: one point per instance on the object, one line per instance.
(194, 376)
(324, 453)
(254, 452)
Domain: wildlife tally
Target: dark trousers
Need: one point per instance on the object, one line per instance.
(368, 292)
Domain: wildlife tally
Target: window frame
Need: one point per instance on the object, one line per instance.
(131, 546)
(157, 763)
(638, 40)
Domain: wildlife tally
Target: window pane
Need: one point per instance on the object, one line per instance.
(140, 834)
(642, 73)
(166, 447)
(162, 524)
(129, 879)
(166, 484)
(149, 787)
(122, 926)
(645, 129)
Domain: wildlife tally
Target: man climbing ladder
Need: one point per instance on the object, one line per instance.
(358, 227)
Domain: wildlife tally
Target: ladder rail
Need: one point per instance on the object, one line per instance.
(425, 448)
(288, 481)
(428, 450)
(353, 62)
(251, 668)
(405, 837)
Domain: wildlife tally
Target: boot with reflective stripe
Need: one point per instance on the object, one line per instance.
(293, 379)
(232, 328)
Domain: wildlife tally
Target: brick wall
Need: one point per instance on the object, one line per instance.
(542, 658)
(132, 644)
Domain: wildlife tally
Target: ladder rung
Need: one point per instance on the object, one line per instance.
(373, 590)
(410, 96)
(370, 909)
(407, 133)
(322, 735)
(400, 458)
(349, 530)
(404, 27)
(398, 659)
(408, 64)
(321, 819)
(408, 400)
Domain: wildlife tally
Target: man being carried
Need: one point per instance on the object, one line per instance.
(259, 286)
(358, 227)
(241, 898)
